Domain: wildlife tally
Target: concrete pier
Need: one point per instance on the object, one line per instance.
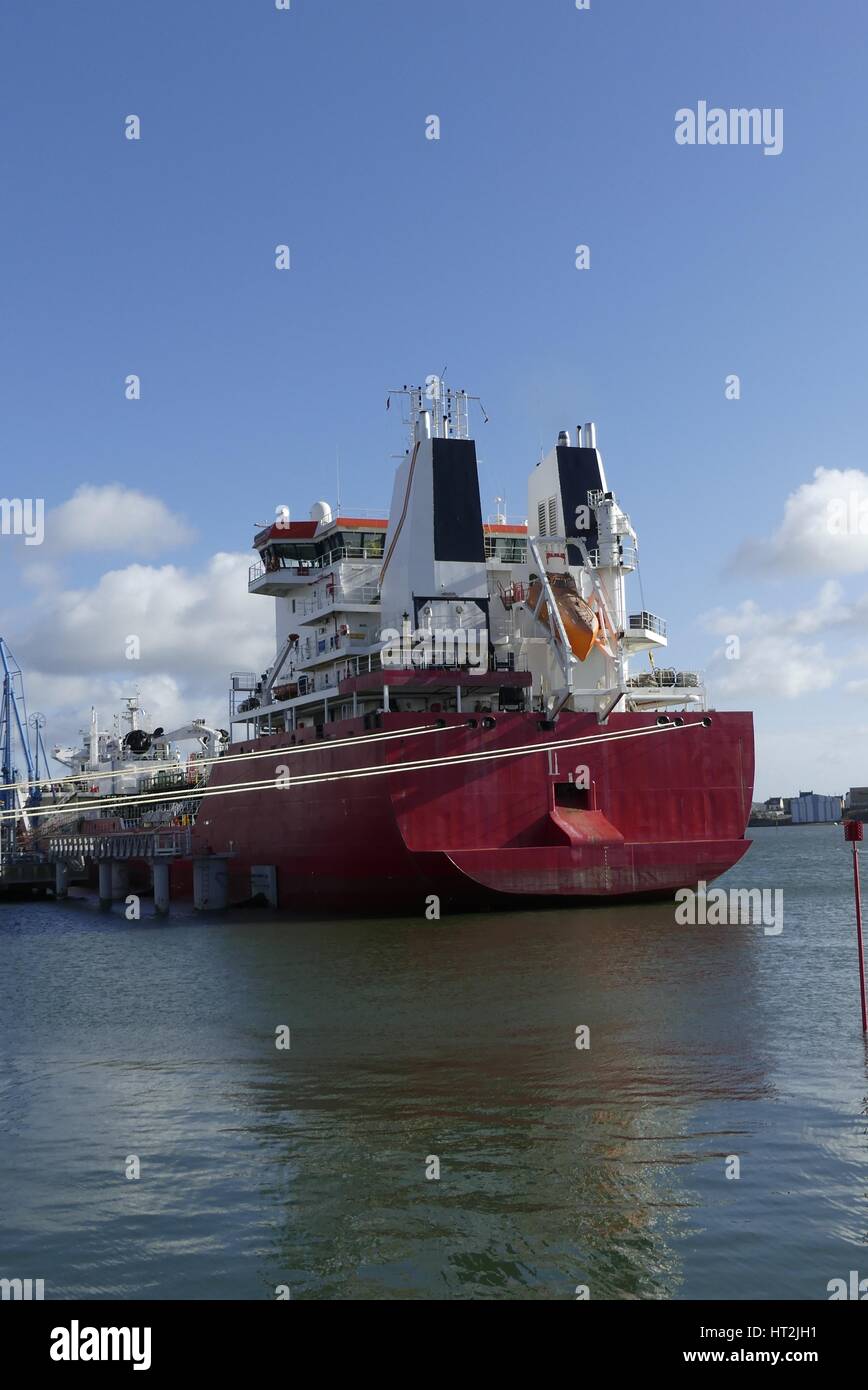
(160, 870)
(25, 878)
(105, 885)
(120, 880)
(263, 882)
(211, 882)
(114, 882)
(61, 879)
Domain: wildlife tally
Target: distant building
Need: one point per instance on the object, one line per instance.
(856, 803)
(775, 811)
(808, 808)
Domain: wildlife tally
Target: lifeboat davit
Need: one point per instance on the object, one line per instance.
(581, 623)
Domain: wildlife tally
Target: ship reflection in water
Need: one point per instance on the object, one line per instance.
(413, 1041)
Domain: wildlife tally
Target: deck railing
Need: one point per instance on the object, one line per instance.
(649, 622)
(301, 568)
(365, 593)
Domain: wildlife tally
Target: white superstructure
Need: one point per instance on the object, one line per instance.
(435, 590)
(122, 761)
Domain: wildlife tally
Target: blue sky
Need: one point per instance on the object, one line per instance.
(307, 127)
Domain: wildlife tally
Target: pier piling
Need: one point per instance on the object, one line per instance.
(61, 879)
(211, 882)
(853, 833)
(105, 885)
(120, 880)
(160, 870)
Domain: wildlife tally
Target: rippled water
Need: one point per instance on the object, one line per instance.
(455, 1039)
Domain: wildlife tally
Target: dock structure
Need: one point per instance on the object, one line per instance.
(25, 876)
(112, 853)
(72, 858)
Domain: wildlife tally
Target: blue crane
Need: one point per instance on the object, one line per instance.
(19, 753)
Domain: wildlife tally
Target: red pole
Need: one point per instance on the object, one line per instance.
(853, 831)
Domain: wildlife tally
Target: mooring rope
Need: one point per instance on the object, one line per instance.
(351, 741)
(281, 783)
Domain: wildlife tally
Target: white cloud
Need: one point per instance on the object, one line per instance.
(824, 528)
(825, 610)
(748, 618)
(66, 702)
(770, 656)
(193, 628)
(775, 665)
(114, 517)
(191, 623)
(35, 573)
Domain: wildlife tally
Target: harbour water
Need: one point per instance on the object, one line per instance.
(410, 1040)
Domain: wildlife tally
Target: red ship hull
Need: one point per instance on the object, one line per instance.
(660, 812)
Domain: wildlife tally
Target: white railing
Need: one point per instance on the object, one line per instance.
(628, 558)
(141, 844)
(505, 549)
(366, 593)
(292, 566)
(314, 648)
(308, 682)
(649, 622)
(363, 513)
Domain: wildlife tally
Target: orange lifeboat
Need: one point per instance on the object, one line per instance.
(581, 623)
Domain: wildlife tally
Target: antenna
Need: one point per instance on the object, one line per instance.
(448, 408)
(37, 724)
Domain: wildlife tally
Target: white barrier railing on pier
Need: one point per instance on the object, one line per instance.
(168, 843)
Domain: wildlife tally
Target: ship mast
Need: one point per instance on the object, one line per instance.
(447, 407)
